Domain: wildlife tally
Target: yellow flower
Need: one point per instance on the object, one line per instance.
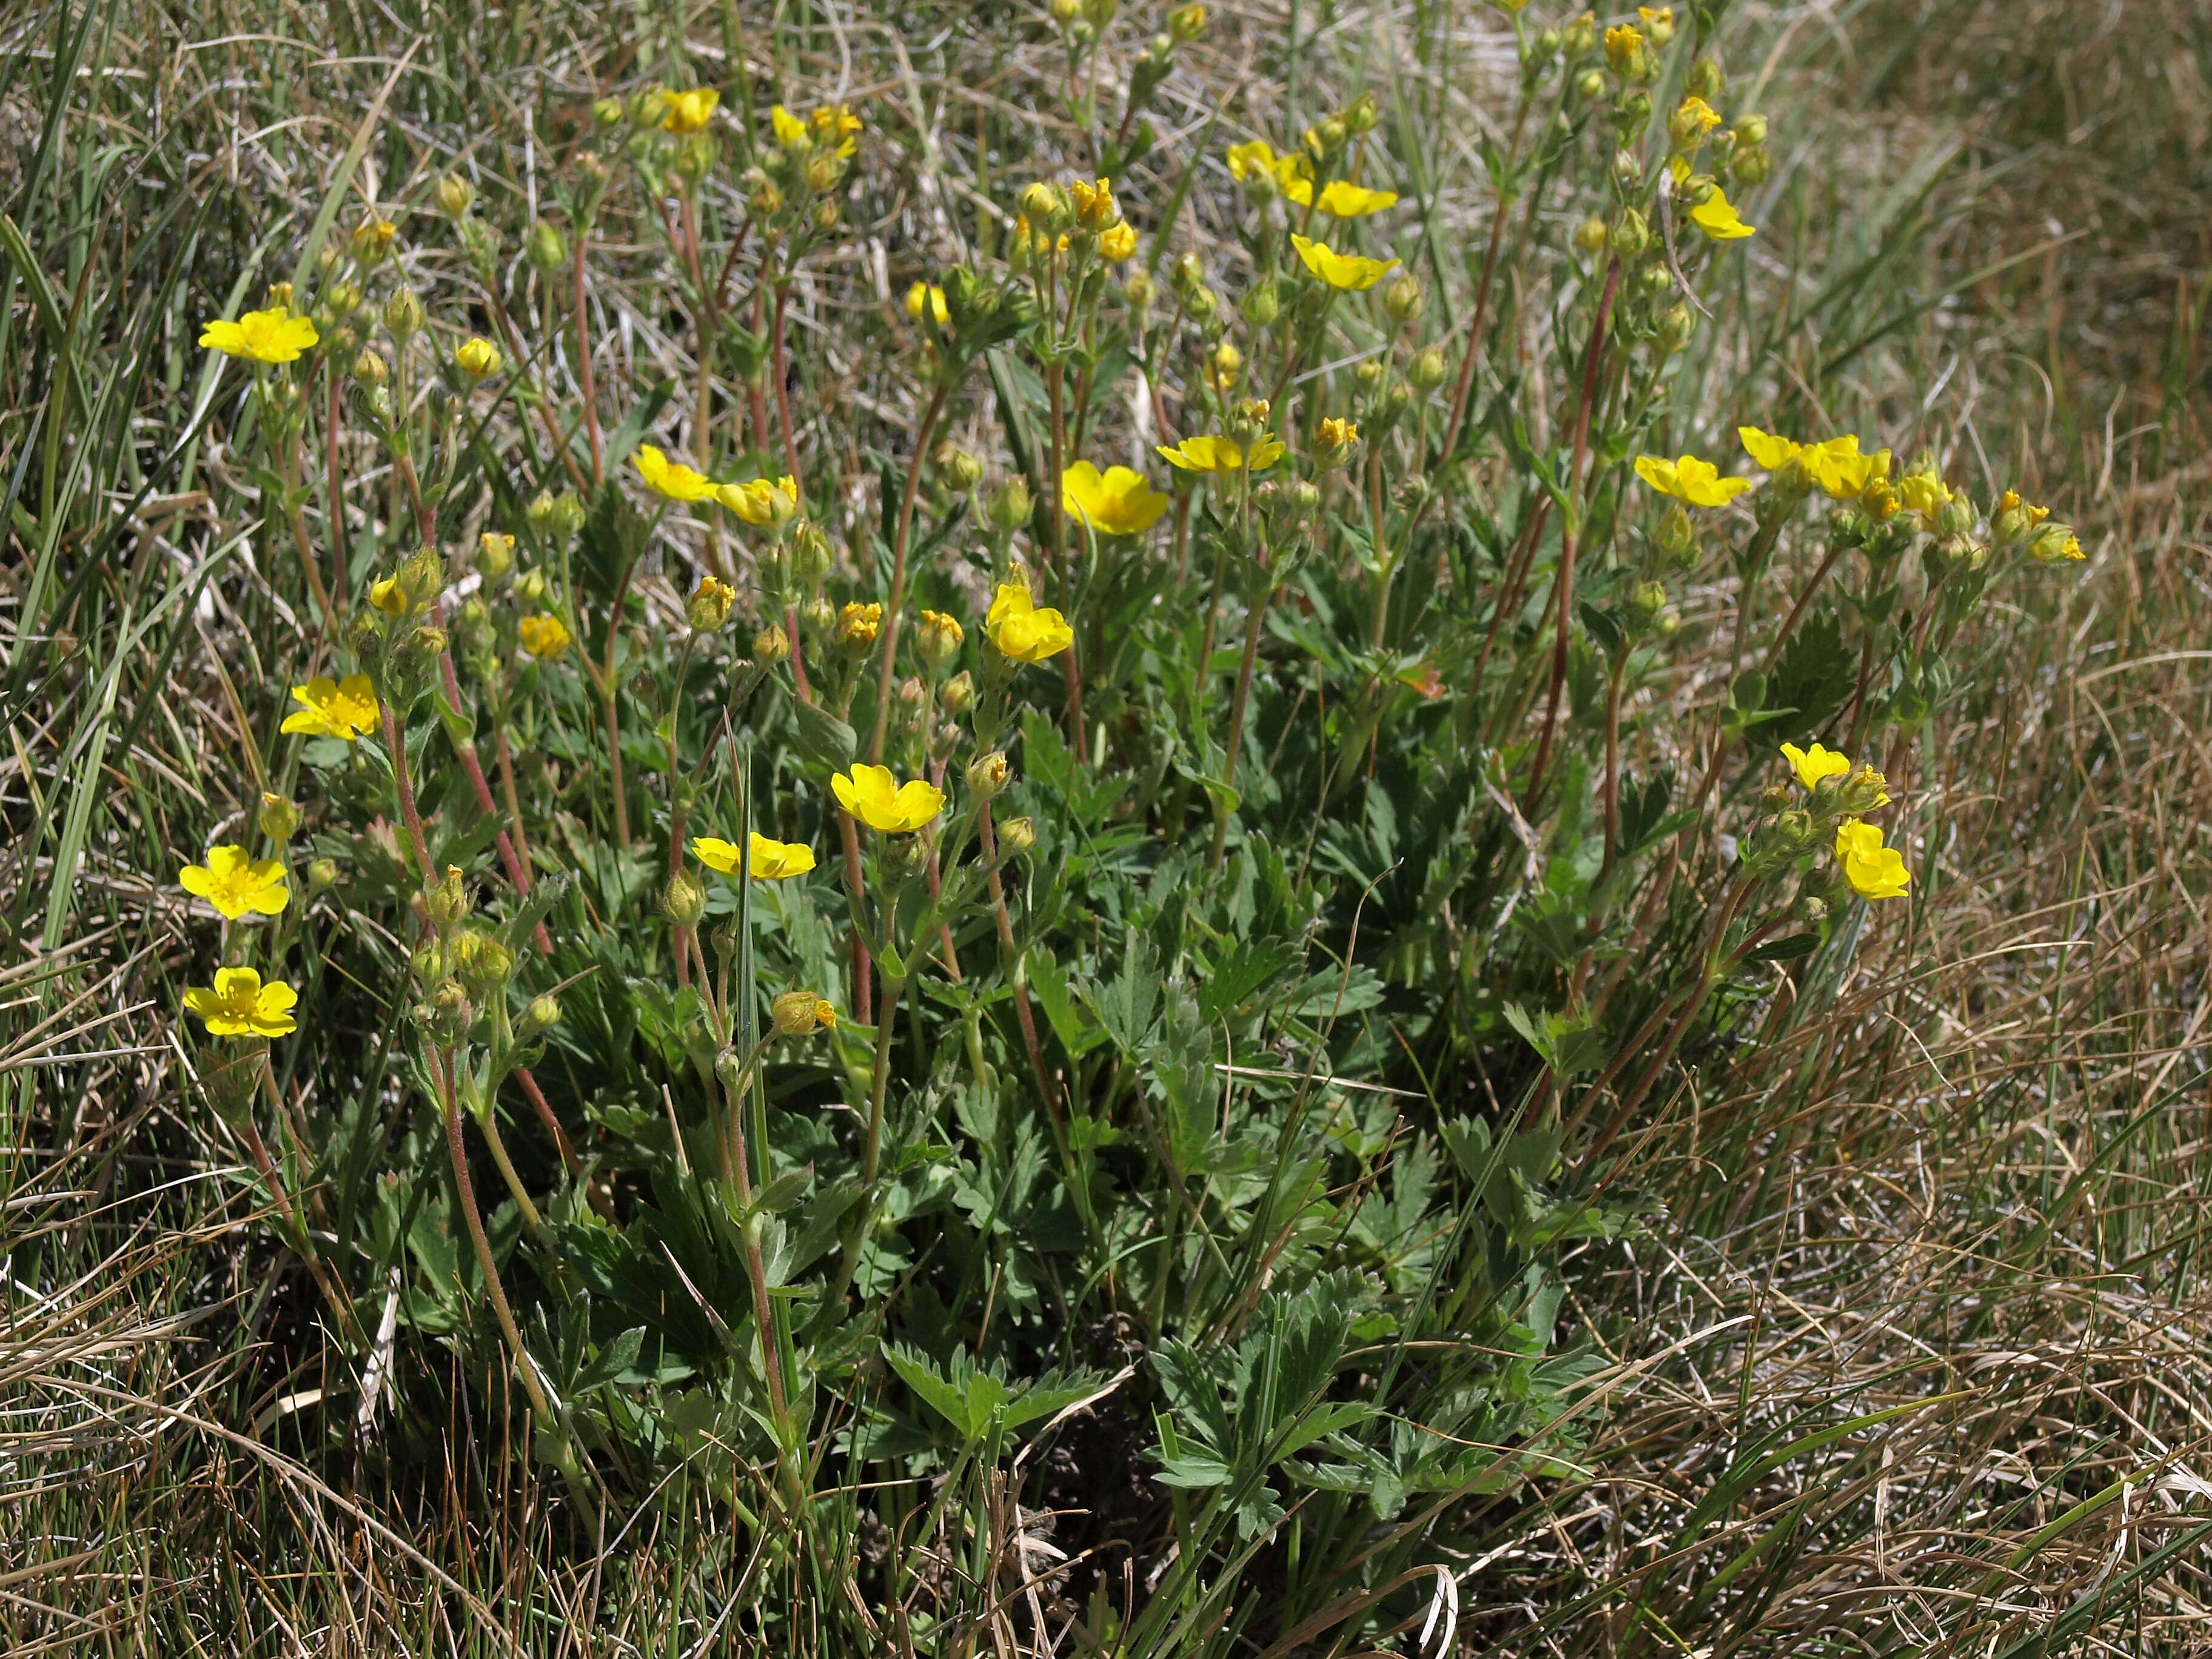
(858, 625)
(709, 607)
(790, 132)
(929, 294)
(672, 478)
(1353, 273)
(1117, 243)
(1623, 46)
(1874, 871)
(344, 709)
(235, 883)
(1222, 455)
(690, 112)
(241, 1006)
(1342, 201)
(274, 335)
(762, 503)
(1022, 631)
(801, 1013)
(1835, 464)
(1812, 764)
(1119, 501)
(1720, 221)
(1922, 493)
(545, 637)
(1293, 174)
(1689, 479)
(879, 800)
(386, 595)
(1333, 439)
(771, 860)
(1095, 208)
(478, 358)
(1693, 119)
(834, 125)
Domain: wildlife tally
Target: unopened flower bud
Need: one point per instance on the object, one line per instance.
(455, 194)
(1137, 288)
(1675, 328)
(1750, 130)
(1589, 235)
(369, 369)
(1043, 208)
(1629, 234)
(1202, 304)
(1010, 506)
(961, 471)
(402, 315)
(1261, 304)
(1428, 369)
(957, 694)
(477, 358)
(279, 818)
(1589, 86)
(1751, 166)
(322, 876)
(543, 1014)
(771, 646)
(427, 642)
(1402, 298)
(682, 901)
(1186, 23)
(818, 617)
(1645, 601)
(1017, 836)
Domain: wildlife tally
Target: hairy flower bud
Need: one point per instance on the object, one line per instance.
(322, 876)
(771, 645)
(279, 818)
(370, 370)
(1016, 835)
(1261, 304)
(1402, 298)
(402, 315)
(1010, 507)
(682, 901)
(961, 471)
(1629, 234)
(455, 194)
(1428, 369)
(957, 694)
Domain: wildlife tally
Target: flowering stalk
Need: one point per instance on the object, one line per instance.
(1254, 621)
(894, 612)
(1564, 581)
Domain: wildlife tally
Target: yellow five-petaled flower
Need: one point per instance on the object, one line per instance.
(1812, 764)
(274, 335)
(1119, 501)
(343, 708)
(1835, 466)
(1874, 871)
(1352, 273)
(762, 503)
(672, 478)
(1222, 455)
(1340, 200)
(235, 883)
(1021, 630)
(1689, 479)
(690, 112)
(771, 860)
(879, 800)
(239, 1004)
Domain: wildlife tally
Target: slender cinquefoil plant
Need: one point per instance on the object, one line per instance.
(1101, 838)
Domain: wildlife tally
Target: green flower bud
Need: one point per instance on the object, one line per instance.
(322, 876)
(682, 901)
(402, 315)
(279, 818)
(1017, 836)
(1010, 506)
(988, 775)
